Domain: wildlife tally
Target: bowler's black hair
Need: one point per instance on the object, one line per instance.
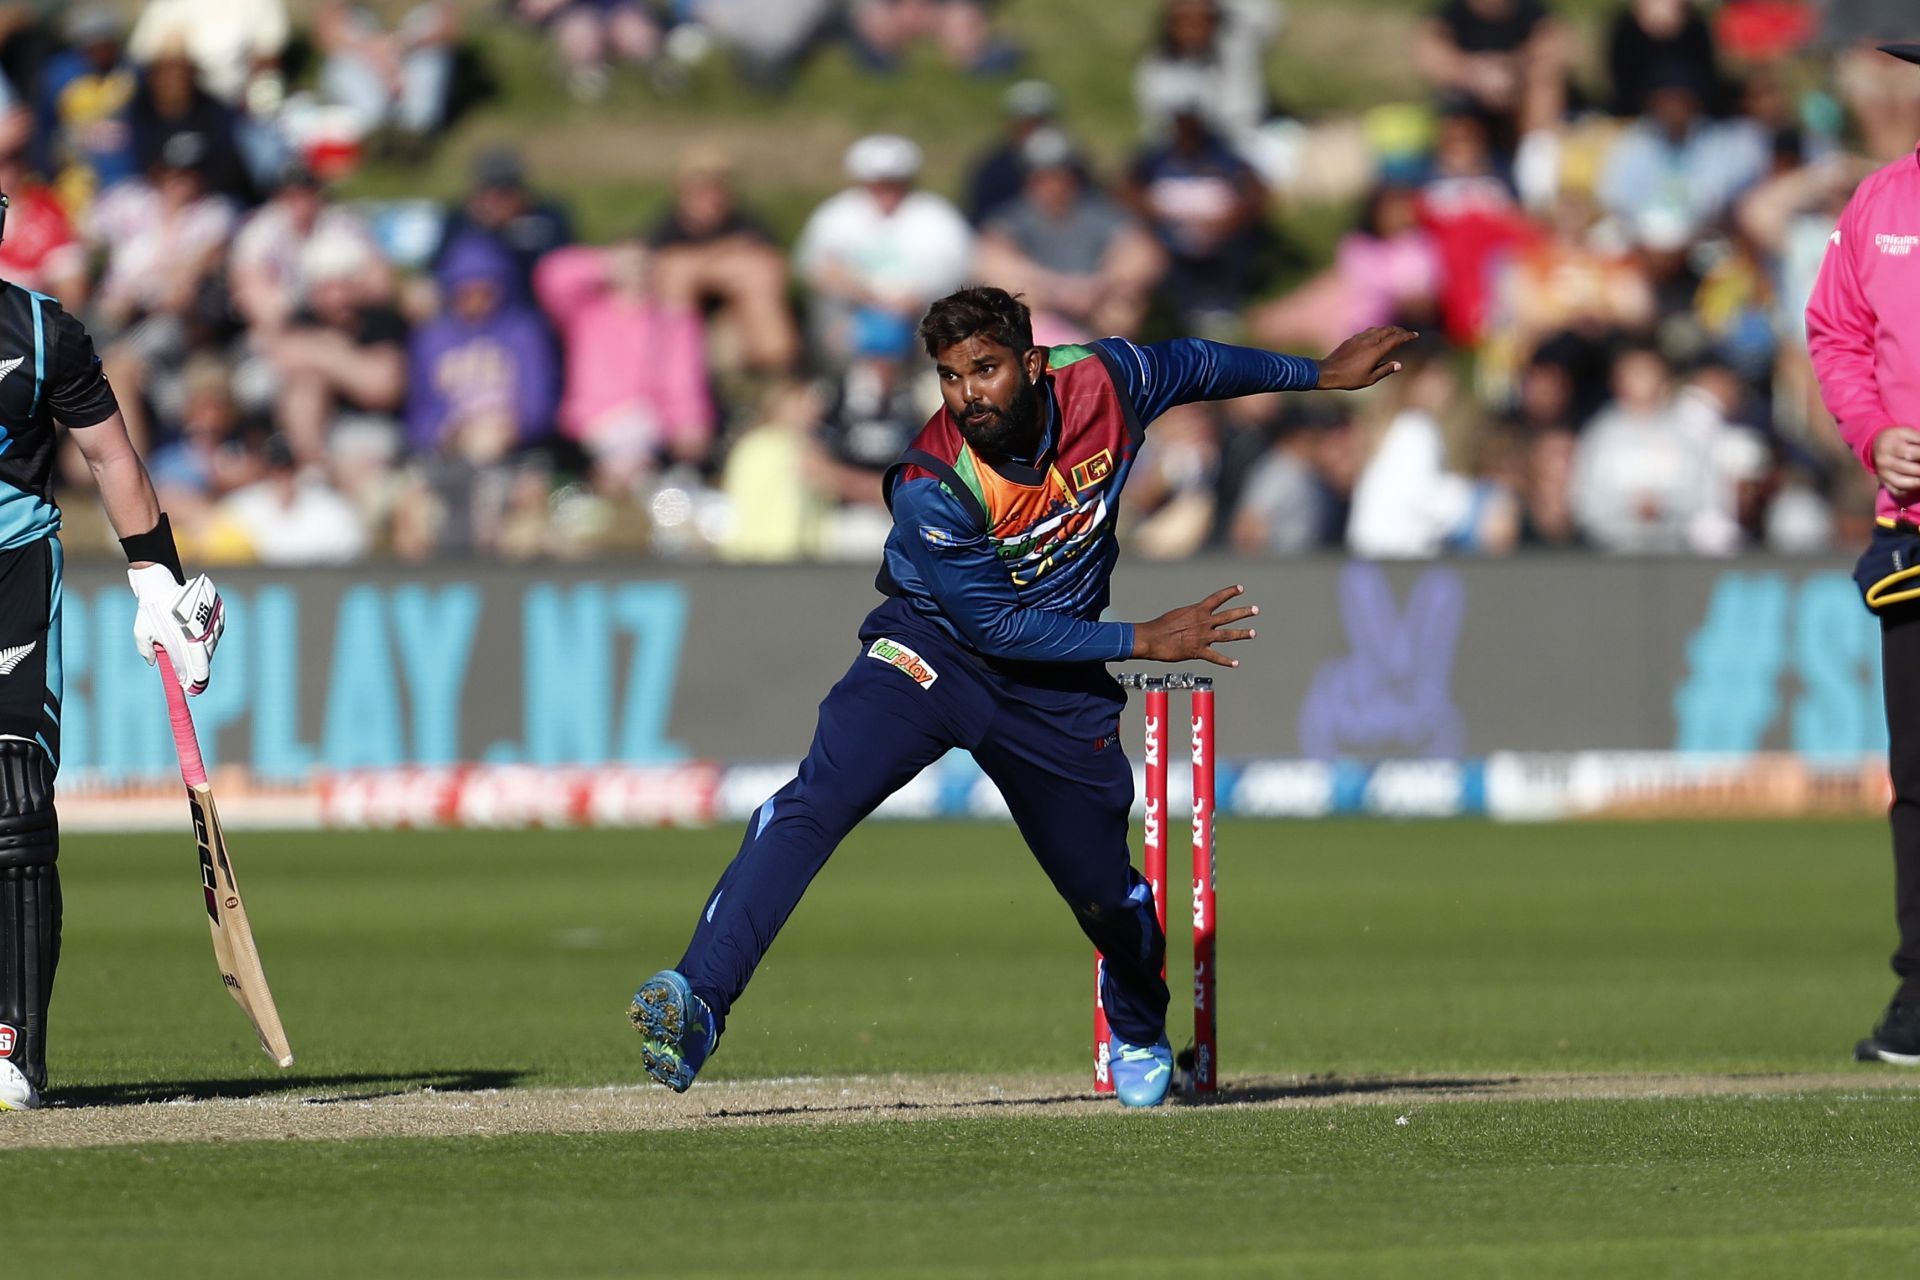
(982, 311)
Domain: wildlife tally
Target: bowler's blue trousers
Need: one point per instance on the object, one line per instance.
(1048, 735)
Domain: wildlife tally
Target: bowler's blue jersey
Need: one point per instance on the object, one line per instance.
(1019, 566)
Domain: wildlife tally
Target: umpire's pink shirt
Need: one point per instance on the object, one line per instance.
(1863, 322)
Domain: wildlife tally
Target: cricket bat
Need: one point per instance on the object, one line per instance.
(234, 951)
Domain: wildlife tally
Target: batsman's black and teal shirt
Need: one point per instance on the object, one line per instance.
(49, 378)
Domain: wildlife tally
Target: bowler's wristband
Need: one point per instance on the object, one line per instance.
(156, 546)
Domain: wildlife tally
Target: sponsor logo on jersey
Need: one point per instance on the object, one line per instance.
(1897, 246)
(937, 537)
(895, 654)
(1091, 472)
(1032, 552)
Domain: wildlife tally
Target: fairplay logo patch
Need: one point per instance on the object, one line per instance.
(897, 655)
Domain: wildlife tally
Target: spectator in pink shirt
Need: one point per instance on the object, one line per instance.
(635, 390)
(1385, 271)
(1863, 332)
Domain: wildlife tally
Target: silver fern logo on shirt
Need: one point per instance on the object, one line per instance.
(12, 656)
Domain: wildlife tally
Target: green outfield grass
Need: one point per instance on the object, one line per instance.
(1779, 1188)
(492, 960)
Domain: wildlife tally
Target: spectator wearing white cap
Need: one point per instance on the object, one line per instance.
(878, 253)
(264, 271)
(343, 352)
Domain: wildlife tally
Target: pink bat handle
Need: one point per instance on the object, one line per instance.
(193, 770)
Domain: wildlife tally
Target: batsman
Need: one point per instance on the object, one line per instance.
(990, 639)
(51, 378)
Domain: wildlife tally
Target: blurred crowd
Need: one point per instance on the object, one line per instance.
(1607, 257)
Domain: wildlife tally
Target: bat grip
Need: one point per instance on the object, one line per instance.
(193, 770)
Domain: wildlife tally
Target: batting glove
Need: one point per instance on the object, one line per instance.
(185, 621)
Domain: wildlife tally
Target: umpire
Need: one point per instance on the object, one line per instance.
(1863, 332)
(51, 378)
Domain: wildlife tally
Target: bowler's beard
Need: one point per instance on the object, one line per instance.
(1010, 434)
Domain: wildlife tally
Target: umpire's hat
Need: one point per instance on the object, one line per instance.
(1910, 52)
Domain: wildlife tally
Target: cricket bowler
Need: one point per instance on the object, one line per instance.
(995, 574)
(51, 378)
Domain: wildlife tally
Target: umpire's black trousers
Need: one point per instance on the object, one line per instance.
(1900, 647)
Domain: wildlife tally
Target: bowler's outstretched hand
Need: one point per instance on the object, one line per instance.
(1190, 632)
(1363, 359)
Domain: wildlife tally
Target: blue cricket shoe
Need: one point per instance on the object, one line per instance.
(676, 1029)
(1142, 1074)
